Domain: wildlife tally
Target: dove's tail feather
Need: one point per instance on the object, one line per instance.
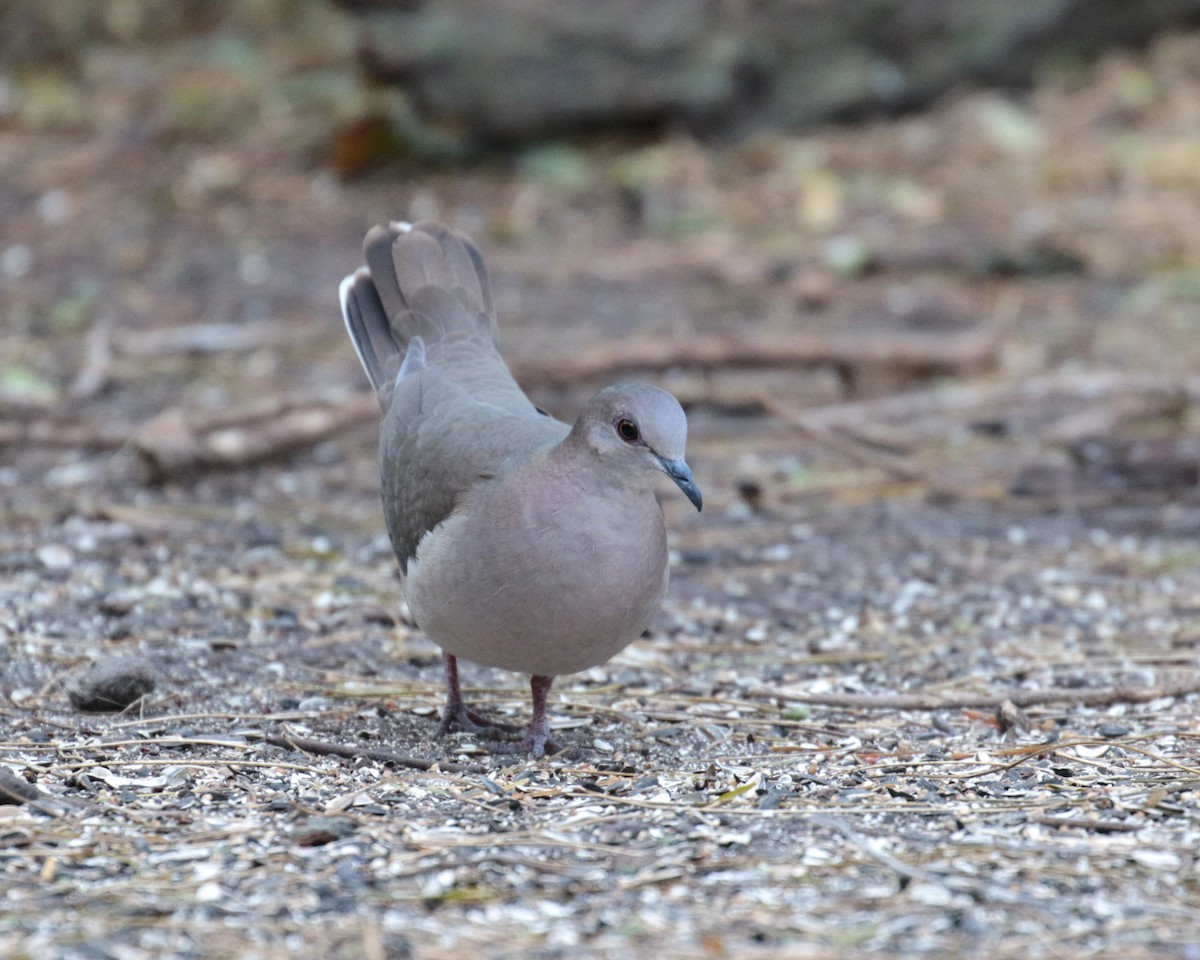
(421, 280)
(372, 336)
(431, 281)
(424, 301)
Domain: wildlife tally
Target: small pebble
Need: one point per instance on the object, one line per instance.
(54, 556)
(111, 683)
(16, 261)
(322, 830)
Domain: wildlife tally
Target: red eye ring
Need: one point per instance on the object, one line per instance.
(627, 430)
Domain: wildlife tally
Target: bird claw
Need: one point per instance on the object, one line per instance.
(472, 722)
(538, 740)
(539, 745)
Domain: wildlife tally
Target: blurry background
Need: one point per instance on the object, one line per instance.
(184, 184)
(926, 276)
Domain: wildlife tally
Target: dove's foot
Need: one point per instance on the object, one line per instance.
(539, 743)
(456, 714)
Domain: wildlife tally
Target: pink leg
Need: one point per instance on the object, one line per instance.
(538, 740)
(456, 712)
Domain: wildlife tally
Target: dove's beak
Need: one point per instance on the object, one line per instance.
(681, 473)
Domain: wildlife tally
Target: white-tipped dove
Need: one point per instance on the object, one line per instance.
(525, 543)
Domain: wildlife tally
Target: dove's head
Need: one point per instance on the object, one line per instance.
(639, 429)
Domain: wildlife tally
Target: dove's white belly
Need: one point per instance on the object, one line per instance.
(543, 585)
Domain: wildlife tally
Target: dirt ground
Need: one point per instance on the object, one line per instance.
(926, 679)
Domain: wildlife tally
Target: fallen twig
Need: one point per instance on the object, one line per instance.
(93, 375)
(905, 871)
(910, 354)
(175, 444)
(849, 447)
(1153, 392)
(320, 748)
(1088, 823)
(15, 790)
(201, 338)
(879, 432)
(62, 433)
(1070, 696)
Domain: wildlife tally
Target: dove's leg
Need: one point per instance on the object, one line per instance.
(456, 712)
(538, 739)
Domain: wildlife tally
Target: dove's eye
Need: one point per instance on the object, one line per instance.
(628, 430)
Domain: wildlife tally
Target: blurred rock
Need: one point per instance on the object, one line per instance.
(112, 683)
(511, 70)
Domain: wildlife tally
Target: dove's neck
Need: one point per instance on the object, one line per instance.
(577, 463)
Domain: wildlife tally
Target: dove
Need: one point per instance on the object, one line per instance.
(524, 543)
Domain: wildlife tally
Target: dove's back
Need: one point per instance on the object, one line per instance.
(421, 318)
